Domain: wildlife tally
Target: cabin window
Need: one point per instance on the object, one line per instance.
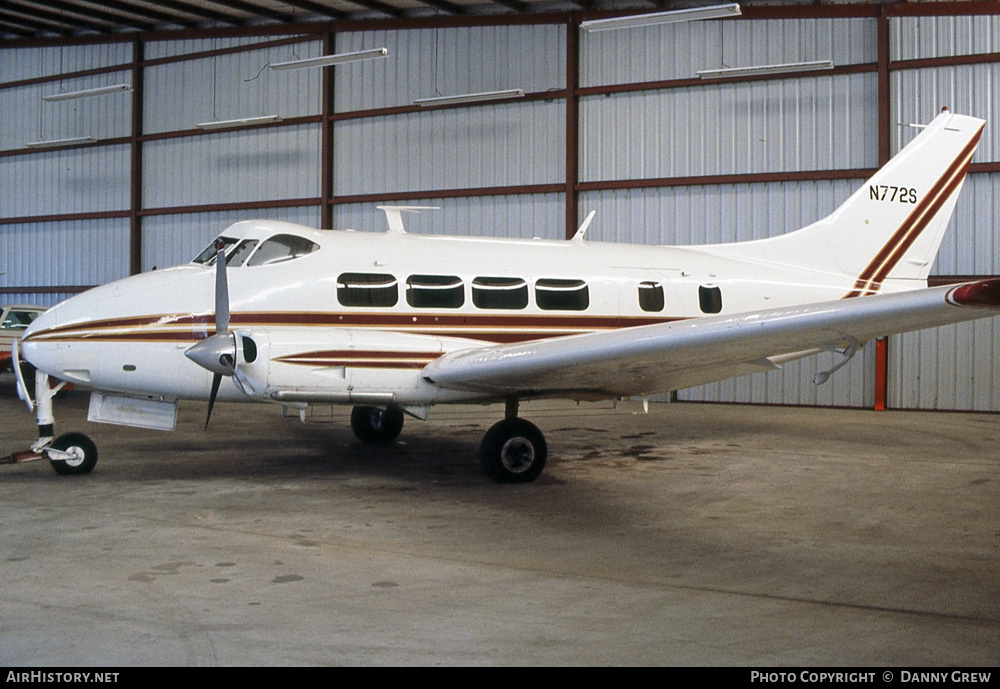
(435, 291)
(500, 293)
(367, 289)
(561, 295)
(651, 296)
(207, 256)
(710, 299)
(282, 247)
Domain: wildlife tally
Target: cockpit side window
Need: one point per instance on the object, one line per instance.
(282, 247)
(239, 255)
(207, 256)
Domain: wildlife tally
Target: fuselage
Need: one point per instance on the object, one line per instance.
(353, 317)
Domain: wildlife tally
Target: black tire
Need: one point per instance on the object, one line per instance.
(513, 451)
(81, 446)
(376, 425)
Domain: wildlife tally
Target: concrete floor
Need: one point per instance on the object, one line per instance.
(696, 534)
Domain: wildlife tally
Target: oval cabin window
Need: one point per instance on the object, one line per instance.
(562, 295)
(367, 289)
(435, 291)
(500, 293)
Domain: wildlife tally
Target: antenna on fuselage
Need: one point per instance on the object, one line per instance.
(578, 237)
(394, 215)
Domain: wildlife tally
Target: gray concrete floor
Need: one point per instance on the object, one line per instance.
(696, 534)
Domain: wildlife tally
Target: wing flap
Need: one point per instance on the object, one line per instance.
(670, 356)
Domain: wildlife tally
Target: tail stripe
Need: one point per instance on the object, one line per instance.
(892, 252)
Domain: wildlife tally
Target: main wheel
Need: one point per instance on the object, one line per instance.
(513, 451)
(376, 425)
(83, 451)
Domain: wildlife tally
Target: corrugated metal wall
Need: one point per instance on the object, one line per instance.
(72, 252)
(521, 216)
(77, 180)
(236, 166)
(653, 130)
(813, 123)
(954, 367)
(489, 146)
(37, 120)
(678, 51)
(238, 85)
(428, 62)
(911, 38)
(29, 63)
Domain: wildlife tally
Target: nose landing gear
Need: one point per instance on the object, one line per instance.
(71, 454)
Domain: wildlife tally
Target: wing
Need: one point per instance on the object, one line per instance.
(657, 358)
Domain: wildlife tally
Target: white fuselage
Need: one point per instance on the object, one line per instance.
(355, 320)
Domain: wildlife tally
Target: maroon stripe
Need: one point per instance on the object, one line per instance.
(363, 354)
(409, 320)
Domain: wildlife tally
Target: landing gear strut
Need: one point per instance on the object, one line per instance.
(513, 450)
(376, 425)
(71, 454)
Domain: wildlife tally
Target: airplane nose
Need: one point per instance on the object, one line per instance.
(124, 334)
(40, 345)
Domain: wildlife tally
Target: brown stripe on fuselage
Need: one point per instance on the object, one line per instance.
(489, 328)
(361, 358)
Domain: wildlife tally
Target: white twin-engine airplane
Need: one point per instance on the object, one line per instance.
(395, 323)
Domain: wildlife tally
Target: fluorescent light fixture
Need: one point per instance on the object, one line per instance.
(690, 15)
(724, 72)
(219, 124)
(61, 142)
(470, 97)
(327, 60)
(87, 93)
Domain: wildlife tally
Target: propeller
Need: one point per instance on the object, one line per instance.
(218, 352)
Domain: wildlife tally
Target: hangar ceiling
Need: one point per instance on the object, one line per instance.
(35, 19)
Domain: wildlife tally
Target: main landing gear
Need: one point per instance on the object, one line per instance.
(376, 425)
(512, 451)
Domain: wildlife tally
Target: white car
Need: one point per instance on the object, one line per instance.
(16, 318)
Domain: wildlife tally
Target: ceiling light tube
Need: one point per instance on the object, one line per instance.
(219, 124)
(470, 97)
(327, 60)
(61, 142)
(724, 72)
(689, 15)
(87, 93)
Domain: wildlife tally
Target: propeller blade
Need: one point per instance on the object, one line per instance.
(216, 379)
(221, 291)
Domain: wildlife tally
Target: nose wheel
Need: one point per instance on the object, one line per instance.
(72, 454)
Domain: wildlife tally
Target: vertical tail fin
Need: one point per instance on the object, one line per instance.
(907, 205)
(891, 228)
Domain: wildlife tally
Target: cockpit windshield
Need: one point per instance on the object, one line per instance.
(282, 247)
(207, 256)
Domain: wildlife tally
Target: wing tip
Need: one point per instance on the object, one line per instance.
(982, 294)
